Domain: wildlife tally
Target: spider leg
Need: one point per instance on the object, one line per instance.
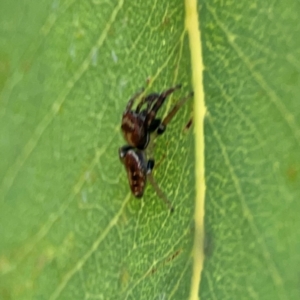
(159, 192)
(160, 101)
(162, 127)
(132, 99)
(148, 99)
(154, 125)
(188, 125)
(150, 165)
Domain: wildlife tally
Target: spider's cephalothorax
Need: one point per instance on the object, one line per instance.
(138, 124)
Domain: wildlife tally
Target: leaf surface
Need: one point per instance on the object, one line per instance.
(69, 225)
(70, 228)
(252, 138)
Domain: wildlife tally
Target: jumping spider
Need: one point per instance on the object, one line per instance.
(137, 126)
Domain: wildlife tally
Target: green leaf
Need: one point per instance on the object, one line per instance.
(251, 54)
(70, 228)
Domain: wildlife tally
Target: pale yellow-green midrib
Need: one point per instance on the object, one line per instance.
(193, 29)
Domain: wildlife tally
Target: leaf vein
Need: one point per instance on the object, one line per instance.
(13, 171)
(286, 115)
(274, 273)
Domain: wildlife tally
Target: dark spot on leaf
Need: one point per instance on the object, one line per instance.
(165, 22)
(124, 277)
(148, 80)
(174, 255)
(188, 125)
(152, 271)
(166, 261)
(292, 173)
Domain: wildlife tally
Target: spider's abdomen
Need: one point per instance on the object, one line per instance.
(136, 168)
